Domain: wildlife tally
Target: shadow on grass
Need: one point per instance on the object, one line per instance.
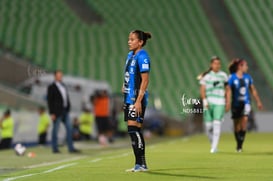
(248, 153)
(165, 172)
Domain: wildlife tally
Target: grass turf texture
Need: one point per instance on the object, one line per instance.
(168, 159)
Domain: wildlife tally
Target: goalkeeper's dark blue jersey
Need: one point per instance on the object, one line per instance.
(135, 65)
(240, 89)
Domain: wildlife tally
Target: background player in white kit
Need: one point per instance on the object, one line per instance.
(213, 92)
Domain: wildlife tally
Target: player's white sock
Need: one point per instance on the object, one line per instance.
(216, 134)
(208, 127)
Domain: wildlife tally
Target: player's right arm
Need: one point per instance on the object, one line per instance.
(256, 96)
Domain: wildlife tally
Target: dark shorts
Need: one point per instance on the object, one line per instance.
(240, 111)
(5, 143)
(130, 114)
(103, 124)
(42, 138)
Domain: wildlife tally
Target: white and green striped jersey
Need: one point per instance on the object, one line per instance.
(215, 87)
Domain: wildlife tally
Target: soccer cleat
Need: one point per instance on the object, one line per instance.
(138, 168)
(239, 150)
(213, 150)
(144, 168)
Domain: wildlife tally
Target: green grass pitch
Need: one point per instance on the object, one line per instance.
(168, 159)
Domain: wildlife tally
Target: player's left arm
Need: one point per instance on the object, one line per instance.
(142, 90)
(256, 96)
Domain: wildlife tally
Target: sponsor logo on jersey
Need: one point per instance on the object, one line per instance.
(126, 77)
(242, 90)
(132, 70)
(236, 82)
(145, 66)
(247, 81)
(133, 62)
(145, 60)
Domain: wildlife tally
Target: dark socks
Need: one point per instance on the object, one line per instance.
(133, 131)
(240, 137)
(143, 159)
(236, 135)
(138, 144)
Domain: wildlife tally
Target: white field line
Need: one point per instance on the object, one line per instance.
(56, 162)
(44, 172)
(22, 176)
(60, 167)
(128, 153)
(96, 160)
(118, 156)
(71, 164)
(110, 157)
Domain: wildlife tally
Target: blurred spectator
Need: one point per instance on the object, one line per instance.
(43, 125)
(76, 130)
(6, 125)
(101, 102)
(86, 122)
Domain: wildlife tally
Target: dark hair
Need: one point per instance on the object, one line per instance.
(57, 71)
(207, 71)
(142, 36)
(7, 112)
(233, 66)
(42, 108)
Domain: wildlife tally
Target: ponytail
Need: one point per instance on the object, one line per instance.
(199, 77)
(233, 66)
(144, 36)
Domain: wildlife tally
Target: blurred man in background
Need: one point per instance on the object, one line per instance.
(43, 125)
(59, 107)
(6, 125)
